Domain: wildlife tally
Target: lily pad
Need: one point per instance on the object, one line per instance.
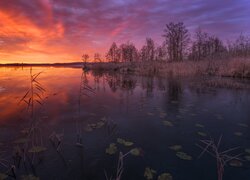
(30, 177)
(235, 163)
(243, 125)
(199, 125)
(124, 142)
(21, 141)
(202, 134)
(99, 124)
(135, 151)
(247, 158)
(104, 118)
(112, 149)
(149, 173)
(163, 115)
(168, 123)
(3, 176)
(150, 114)
(247, 151)
(184, 156)
(238, 133)
(88, 128)
(37, 149)
(165, 176)
(175, 147)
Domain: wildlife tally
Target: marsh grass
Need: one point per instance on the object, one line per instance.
(228, 67)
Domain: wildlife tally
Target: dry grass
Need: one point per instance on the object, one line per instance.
(239, 68)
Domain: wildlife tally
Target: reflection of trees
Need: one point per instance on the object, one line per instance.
(120, 81)
(148, 84)
(174, 89)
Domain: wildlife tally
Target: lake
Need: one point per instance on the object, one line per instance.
(74, 124)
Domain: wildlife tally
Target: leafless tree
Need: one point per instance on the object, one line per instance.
(240, 47)
(113, 53)
(206, 46)
(148, 50)
(97, 57)
(129, 53)
(85, 58)
(176, 38)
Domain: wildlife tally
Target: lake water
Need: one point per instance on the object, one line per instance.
(82, 113)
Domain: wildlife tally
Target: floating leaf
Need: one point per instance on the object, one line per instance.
(247, 151)
(104, 118)
(111, 149)
(88, 128)
(21, 141)
(238, 133)
(247, 158)
(175, 147)
(99, 124)
(3, 176)
(163, 115)
(37, 149)
(30, 177)
(168, 123)
(149, 173)
(199, 125)
(150, 114)
(135, 152)
(124, 142)
(183, 156)
(174, 102)
(243, 125)
(202, 134)
(235, 163)
(165, 176)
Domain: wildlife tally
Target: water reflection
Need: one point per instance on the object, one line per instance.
(84, 112)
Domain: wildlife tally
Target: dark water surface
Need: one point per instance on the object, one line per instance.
(89, 111)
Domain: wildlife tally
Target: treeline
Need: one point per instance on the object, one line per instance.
(178, 46)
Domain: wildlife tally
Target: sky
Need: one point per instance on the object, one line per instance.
(41, 31)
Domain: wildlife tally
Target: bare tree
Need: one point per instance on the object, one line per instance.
(129, 53)
(97, 57)
(85, 58)
(206, 46)
(176, 38)
(113, 53)
(160, 53)
(148, 50)
(240, 47)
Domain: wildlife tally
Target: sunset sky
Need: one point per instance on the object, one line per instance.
(35, 31)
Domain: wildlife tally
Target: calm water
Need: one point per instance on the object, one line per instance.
(96, 109)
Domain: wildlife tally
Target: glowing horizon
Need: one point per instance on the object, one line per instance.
(47, 31)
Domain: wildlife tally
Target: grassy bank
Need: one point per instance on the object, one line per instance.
(237, 68)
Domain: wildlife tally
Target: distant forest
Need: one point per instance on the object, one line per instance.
(177, 46)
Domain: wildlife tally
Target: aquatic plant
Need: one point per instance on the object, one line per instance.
(222, 157)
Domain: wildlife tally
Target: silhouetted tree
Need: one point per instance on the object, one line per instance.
(240, 47)
(160, 53)
(113, 53)
(97, 57)
(176, 38)
(206, 46)
(85, 58)
(148, 50)
(129, 52)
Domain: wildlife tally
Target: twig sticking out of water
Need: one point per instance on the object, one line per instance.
(222, 157)
(120, 167)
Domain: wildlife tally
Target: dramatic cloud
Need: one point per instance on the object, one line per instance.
(61, 30)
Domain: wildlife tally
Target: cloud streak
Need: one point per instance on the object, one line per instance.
(60, 30)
